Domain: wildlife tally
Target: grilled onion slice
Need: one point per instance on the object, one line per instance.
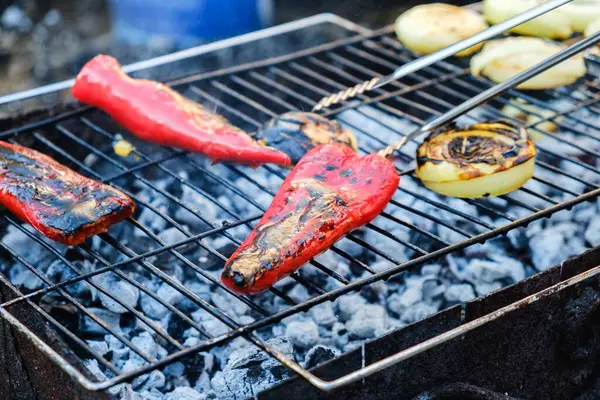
(581, 13)
(555, 24)
(481, 160)
(592, 28)
(431, 27)
(504, 58)
(295, 133)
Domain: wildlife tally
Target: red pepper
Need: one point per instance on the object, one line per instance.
(331, 192)
(158, 114)
(56, 200)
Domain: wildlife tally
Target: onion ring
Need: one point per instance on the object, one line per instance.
(482, 160)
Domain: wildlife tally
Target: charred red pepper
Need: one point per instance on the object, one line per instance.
(54, 199)
(331, 192)
(155, 113)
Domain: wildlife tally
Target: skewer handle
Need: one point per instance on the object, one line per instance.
(492, 92)
(446, 52)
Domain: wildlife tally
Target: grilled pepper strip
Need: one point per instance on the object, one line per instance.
(330, 192)
(54, 199)
(158, 114)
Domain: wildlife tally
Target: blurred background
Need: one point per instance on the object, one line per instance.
(44, 41)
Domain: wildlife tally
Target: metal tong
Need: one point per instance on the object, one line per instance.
(446, 52)
(493, 92)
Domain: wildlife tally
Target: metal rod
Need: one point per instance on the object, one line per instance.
(446, 52)
(493, 92)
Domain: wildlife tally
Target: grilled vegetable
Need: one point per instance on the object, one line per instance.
(581, 13)
(329, 193)
(158, 114)
(592, 28)
(555, 24)
(481, 160)
(55, 200)
(430, 27)
(295, 133)
(504, 58)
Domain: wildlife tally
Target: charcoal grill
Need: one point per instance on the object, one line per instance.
(249, 95)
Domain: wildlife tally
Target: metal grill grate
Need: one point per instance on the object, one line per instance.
(249, 95)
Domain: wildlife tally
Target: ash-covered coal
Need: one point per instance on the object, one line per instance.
(195, 202)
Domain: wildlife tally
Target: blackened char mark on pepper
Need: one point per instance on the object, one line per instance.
(308, 214)
(311, 205)
(57, 201)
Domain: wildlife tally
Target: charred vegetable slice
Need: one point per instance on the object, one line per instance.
(331, 192)
(481, 160)
(295, 133)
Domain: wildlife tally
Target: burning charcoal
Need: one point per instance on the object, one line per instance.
(432, 288)
(483, 288)
(153, 380)
(250, 356)
(460, 293)
(94, 368)
(555, 244)
(171, 235)
(209, 323)
(303, 334)
(368, 321)
(397, 303)
(339, 334)
(22, 277)
(149, 395)
(120, 289)
(225, 302)
(348, 305)
(175, 369)
(152, 220)
(153, 308)
(431, 269)
(417, 312)
(592, 233)
(98, 346)
(203, 383)
(184, 393)
(108, 317)
(489, 271)
(145, 342)
(231, 385)
(199, 204)
(323, 314)
(318, 355)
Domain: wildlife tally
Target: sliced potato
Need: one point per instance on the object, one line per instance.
(504, 58)
(430, 27)
(481, 160)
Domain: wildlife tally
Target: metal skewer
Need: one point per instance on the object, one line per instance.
(493, 92)
(439, 55)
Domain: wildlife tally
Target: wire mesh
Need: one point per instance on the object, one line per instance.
(249, 96)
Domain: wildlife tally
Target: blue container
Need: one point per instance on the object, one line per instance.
(187, 22)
